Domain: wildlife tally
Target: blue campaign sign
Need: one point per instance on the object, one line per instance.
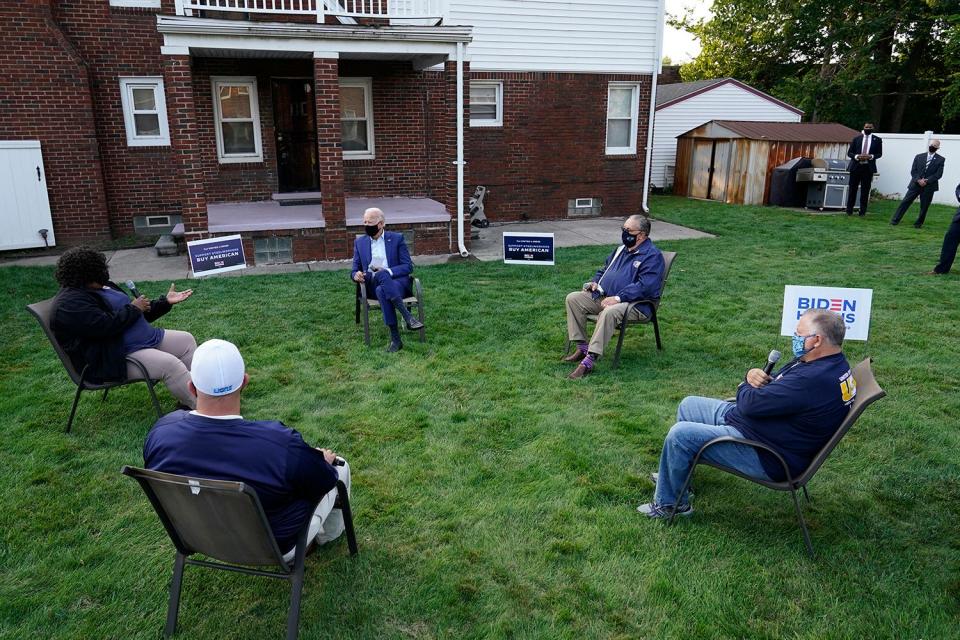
(216, 255)
(528, 248)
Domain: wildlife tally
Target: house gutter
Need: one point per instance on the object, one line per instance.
(653, 108)
(460, 245)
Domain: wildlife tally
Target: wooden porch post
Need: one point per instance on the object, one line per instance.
(182, 116)
(326, 82)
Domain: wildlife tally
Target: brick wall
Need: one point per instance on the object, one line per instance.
(551, 147)
(45, 96)
(399, 108)
(115, 42)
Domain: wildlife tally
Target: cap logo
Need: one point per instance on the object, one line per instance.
(218, 390)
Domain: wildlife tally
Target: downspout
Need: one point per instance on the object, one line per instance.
(653, 107)
(463, 249)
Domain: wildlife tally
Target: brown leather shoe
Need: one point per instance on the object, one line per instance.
(576, 356)
(580, 372)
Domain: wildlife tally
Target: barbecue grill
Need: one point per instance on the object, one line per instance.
(827, 183)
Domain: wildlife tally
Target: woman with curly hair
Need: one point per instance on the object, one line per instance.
(100, 327)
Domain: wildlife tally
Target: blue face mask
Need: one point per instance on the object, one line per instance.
(628, 239)
(798, 342)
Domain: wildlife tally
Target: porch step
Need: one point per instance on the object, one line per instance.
(167, 246)
(297, 198)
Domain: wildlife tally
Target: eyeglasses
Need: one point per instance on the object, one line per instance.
(812, 335)
(632, 232)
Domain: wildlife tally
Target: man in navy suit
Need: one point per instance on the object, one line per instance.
(951, 240)
(381, 262)
(864, 152)
(924, 182)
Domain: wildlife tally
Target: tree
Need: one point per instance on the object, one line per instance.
(882, 61)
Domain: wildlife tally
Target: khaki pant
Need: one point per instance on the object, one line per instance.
(170, 362)
(326, 524)
(580, 304)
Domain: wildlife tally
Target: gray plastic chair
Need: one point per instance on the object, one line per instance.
(42, 311)
(632, 316)
(868, 392)
(225, 521)
(365, 304)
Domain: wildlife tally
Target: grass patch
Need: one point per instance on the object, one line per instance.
(494, 498)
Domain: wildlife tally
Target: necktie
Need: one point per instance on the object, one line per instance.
(929, 160)
(866, 145)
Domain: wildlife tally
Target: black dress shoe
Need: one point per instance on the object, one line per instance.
(394, 346)
(918, 226)
(413, 324)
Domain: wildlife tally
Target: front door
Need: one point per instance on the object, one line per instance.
(294, 117)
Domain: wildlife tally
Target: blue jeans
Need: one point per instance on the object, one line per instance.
(700, 420)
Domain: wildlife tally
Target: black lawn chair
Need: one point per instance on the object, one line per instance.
(42, 311)
(632, 316)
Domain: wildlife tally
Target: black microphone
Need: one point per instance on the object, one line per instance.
(772, 359)
(133, 288)
(339, 462)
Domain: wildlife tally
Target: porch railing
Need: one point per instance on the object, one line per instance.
(386, 9)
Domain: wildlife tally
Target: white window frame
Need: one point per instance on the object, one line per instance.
(583, 203)
(367, 85)
(251, 83)
(498, 120)
(145, 4)
(127, 85)
(634, 119)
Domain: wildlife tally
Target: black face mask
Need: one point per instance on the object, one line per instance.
(627, 238)
(371, 229)
(867, 132)
(934, 149)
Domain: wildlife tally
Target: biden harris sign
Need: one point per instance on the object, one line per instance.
(852, 304)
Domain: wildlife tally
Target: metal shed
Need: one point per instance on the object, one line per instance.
(732, 161)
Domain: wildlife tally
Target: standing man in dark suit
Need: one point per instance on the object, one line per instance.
(864, 151)
(951, 240)
(381, 263)
(924, 182)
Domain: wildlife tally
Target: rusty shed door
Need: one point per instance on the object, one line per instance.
(700, 168)
(720, 170)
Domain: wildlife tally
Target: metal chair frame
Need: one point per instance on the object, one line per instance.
(632, 316)
(41, 311)
(292, 572)
(868, 392)
(365, 303)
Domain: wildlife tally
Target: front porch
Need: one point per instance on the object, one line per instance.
(286, 112)
(425, 222)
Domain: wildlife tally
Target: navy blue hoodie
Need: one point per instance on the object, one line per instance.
(797, 412)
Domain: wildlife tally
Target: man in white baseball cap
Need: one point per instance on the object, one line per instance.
(214, 441)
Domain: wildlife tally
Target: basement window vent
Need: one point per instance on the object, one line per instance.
(273, 250)
(158, 221)
(584, 207)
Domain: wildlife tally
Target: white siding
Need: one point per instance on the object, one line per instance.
(726, 102)
(617, 36)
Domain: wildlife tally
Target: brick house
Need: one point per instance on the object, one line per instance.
(282, 120)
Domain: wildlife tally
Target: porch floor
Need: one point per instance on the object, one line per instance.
(262, 216)
(397, 210)
(270, 215)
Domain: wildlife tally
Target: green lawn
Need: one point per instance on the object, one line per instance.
(493, 497)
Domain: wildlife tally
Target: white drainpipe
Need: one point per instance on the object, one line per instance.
(653, 108)
(463, 249)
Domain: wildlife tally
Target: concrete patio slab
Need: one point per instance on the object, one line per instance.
(398, 210)
(144, 265)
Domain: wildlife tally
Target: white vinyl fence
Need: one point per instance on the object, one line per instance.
(898, 152)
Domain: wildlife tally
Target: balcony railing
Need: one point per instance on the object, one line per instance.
(384, 9)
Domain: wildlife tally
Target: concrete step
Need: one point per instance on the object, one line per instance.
(167, 246)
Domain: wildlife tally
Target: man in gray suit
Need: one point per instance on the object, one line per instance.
(924, 182)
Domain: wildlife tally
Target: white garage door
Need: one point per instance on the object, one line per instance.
(24, 207)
